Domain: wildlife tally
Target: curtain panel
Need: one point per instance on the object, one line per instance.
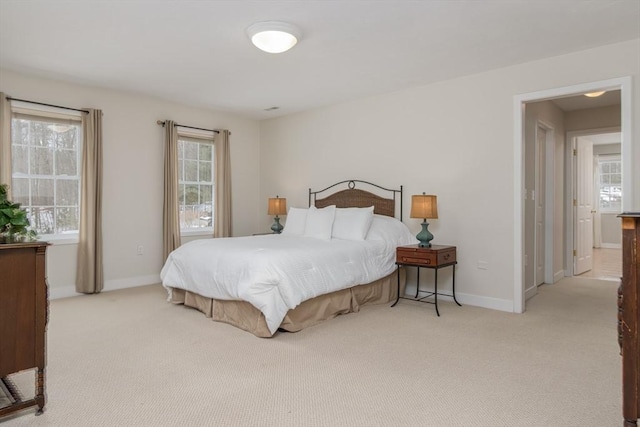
(5, 142)
(222, 217)
(170, 208)
(90, 274)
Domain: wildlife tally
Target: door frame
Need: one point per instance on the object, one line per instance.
(550, 161)
(570, 184)
(549, 199)
(624, 84)
(543, 171)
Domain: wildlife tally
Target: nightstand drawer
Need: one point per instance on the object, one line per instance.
(425, 256)
(416, 258)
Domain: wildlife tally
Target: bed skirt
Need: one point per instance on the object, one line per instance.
(243, 315)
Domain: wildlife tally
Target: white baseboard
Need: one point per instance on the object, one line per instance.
(109, 285)
(130, 282)
(62, 292)
(559, 275)
(611, 246)
(530, 292)
(480, 301)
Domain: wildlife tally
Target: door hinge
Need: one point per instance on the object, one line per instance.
(575, 253)
(575, 152)
(575, 202)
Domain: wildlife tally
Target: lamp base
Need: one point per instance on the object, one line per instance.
(425, 236)
(277, 227)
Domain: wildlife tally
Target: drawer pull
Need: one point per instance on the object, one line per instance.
(416, 260)
(447, 256)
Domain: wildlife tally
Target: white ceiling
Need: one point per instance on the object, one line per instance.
(197, 53)
(581, 102)
(605, 138)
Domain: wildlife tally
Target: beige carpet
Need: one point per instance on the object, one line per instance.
(127, 358)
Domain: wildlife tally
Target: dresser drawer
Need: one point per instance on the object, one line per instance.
(425, 256)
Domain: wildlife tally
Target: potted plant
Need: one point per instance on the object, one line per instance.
(14, 223)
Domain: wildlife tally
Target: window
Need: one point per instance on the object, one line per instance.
(195, 182)
(610, 171)
(45, 161)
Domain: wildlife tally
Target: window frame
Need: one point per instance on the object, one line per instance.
(198, 137)
(608, 158)
(26, 111)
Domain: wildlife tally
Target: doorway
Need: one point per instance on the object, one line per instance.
(524, 196)
(596, 181)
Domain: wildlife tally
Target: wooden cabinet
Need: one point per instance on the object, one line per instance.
(23, 320)
(629, 318)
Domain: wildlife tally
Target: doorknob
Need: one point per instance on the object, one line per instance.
(593, 211)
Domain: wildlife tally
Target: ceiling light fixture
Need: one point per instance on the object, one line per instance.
(274, 36)
(594, 94)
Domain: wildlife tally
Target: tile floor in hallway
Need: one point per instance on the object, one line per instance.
(607, 264)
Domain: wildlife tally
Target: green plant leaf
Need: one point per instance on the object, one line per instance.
(19, 221)
(13, 219)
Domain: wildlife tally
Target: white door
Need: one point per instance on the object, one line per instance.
(583, 241)
(541, 142)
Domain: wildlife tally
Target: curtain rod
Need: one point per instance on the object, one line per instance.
(160, 122)
(46, 105)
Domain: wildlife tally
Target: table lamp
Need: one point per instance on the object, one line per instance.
(277, 206)
(424, 206)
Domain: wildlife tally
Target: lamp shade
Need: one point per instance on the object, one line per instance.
(424, 206)
(277, 206)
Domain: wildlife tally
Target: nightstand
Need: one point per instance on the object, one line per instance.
(435, 258)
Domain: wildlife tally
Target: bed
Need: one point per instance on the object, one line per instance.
(331, 259)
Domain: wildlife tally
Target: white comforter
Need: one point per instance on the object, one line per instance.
(275, 273)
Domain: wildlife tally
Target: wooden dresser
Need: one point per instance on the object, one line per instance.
(23, 320)
(629, 318)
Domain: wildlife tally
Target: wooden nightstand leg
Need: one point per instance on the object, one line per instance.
(453, 287)
(435, 294)
(398, 296)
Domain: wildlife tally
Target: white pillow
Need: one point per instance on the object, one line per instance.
(391, 230)
(352, 223)
(320, 222)
(296, 221)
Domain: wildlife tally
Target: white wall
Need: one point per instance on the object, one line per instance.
(454, 139)
(593, 118)
(610, 230)
(133, 168)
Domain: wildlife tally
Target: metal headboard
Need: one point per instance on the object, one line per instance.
(354, 197)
